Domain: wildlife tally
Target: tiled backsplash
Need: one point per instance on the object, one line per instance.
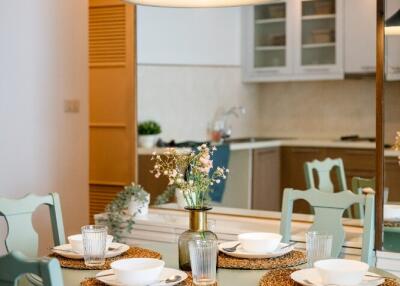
(184, 98)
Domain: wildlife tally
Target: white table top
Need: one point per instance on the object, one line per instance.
(225, 277)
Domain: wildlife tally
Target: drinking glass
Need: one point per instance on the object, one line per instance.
(318, 246)
(203, 260)
(94, 244)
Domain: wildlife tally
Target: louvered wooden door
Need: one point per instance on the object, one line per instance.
(112, 89)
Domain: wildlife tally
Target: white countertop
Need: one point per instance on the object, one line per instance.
(289, 143)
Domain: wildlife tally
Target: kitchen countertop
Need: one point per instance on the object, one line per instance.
(289, 143)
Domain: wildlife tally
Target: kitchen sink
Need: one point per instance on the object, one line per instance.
(253, 139)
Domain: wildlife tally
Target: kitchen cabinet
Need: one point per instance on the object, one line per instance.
(357, 163)
(266, 187)
(292, 170)
(359, 36)
(293, 40)
(392, 46)
(392, 178)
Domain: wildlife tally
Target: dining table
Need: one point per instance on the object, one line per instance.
(169, 252)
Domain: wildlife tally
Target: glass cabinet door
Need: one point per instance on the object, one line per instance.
(270, 37)
(318, 32)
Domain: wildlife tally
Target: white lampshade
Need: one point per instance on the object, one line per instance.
(392, 25)
(197, 3)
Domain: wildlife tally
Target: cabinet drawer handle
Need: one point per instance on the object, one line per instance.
(368, 68)
(305, 150)
(395, 68)
(316, 70)
(360, 152)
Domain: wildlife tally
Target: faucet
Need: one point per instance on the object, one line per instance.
(236, 111)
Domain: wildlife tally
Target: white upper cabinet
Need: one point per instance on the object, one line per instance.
(293, 40)
(360, 36)
(266, 42)
(392, 45)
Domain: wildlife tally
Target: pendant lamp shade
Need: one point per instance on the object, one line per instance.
(392, 25)
(197, 3)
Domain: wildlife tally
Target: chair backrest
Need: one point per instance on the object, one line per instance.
(18, 215)
(323, 169)
(328, 209)
(357, 185)
(15, 264)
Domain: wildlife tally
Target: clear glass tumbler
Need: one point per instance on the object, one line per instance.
(318, 246)
(203, 259)
(94, 239)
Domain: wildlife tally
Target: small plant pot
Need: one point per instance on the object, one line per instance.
(147, 141)
(139, 208)
(180, 199)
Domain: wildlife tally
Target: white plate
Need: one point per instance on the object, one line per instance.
(167, 272)
(241, 253)
(313, 276)
(66, 250)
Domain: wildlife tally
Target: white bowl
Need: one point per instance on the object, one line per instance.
(259, 242)
(341, 271)
(391, 212)
(137, 271)
(77, 242)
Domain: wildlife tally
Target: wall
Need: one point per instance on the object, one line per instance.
(326, 109)
(188, 36)
(184, 99)
(43, 56)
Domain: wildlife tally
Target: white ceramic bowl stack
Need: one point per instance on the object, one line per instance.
(341, 271)
(137, 271)
(259, 242)
(76, 242)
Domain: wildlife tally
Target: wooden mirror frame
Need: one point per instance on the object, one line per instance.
(380, 118)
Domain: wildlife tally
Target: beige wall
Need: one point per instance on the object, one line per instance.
(327, 109)
(43, 56)
(184, 98)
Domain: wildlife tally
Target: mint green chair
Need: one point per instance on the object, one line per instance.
(14, 265)
(323, 169)
(357, 186)
(329, 209)
(18, 215)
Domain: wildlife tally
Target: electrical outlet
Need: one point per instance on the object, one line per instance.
(71, 106)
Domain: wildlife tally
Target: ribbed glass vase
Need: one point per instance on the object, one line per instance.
(197, 230)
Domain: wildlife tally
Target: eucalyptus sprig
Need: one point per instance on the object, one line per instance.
(117, 219)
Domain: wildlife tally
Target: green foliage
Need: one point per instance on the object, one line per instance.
(149, 128)
(166, 196)
(117, 219)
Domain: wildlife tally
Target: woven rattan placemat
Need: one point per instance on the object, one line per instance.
(94, 282)
(294, 258)
(133, 252)
(281, 277)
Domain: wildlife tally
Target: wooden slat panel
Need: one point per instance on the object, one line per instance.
(106, 34)
(112, 99)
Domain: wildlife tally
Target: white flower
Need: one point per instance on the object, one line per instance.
(218, 181)
(191, 182)
(171, 181)
(165, 172)
(227, 170)
(214, 148)
(199, 148)
(179, 180)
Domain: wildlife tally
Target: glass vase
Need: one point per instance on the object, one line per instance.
(197, 230)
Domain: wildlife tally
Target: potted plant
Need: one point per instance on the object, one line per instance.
(193, 173)
(148, 131)
(131, 202)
